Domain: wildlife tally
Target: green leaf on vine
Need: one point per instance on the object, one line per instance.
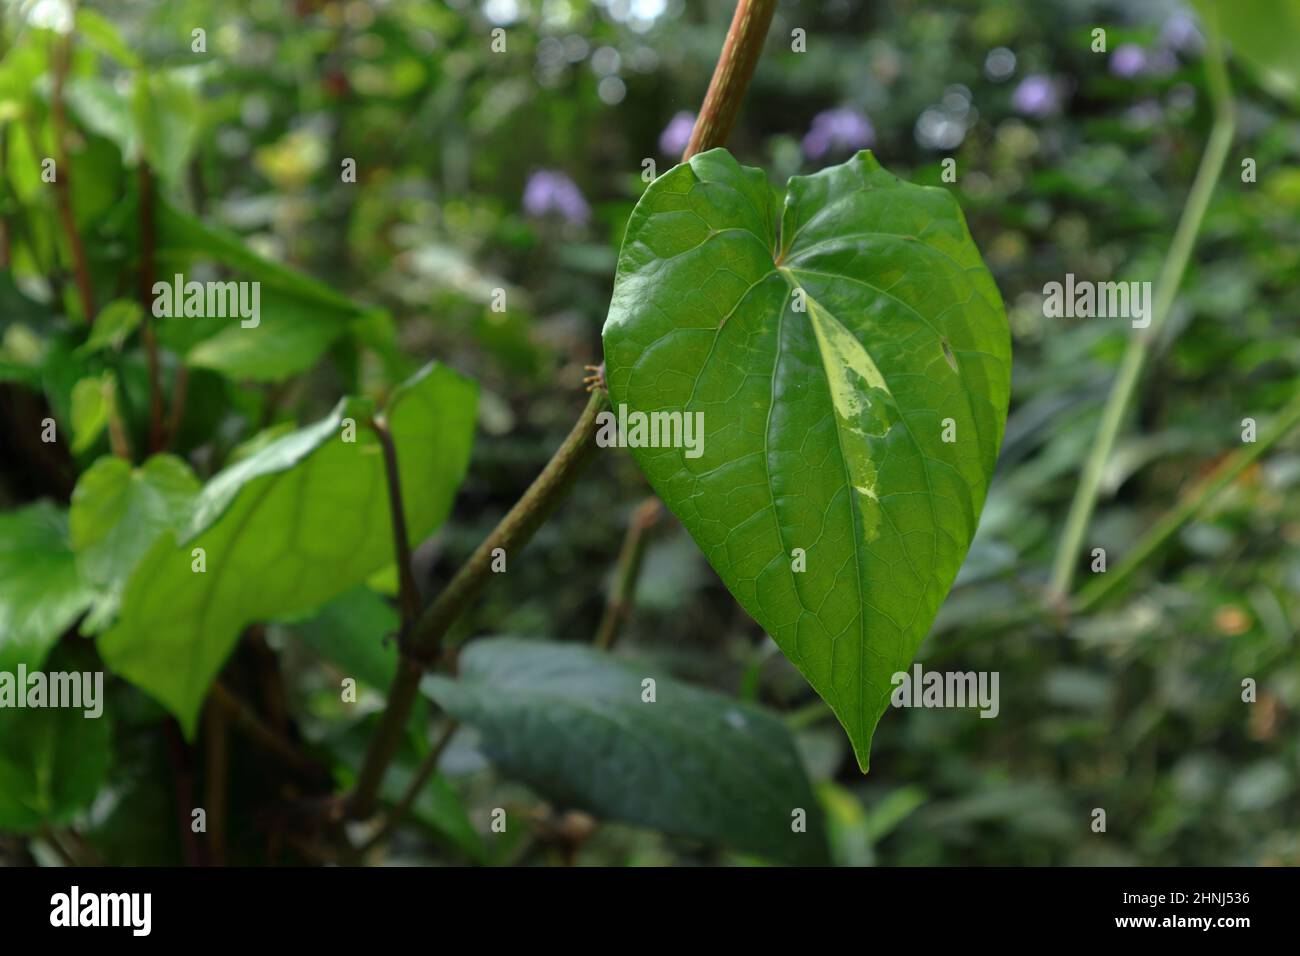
(94, 402)
(283, 531)
(848, 360)
(117, 513)
(587, 731)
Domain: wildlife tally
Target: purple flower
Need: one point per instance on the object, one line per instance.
(1128, 60)
(1038, 96)
(838, 129)
(673, 140)
(1180, 33)
(549, 191)
(1144, 114)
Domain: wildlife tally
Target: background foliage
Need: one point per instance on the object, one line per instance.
(478, 171)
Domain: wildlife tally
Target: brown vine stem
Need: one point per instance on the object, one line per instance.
(424, 640)
(157, 436)
(422, 775)
(61, 56)
(216, 779)
(623, 596)
(248, 721)
(731, 76)
(408, 594)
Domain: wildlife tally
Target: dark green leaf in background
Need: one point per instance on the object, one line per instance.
(41, 592)
(53, 761)
(350, 632)
(571, 722)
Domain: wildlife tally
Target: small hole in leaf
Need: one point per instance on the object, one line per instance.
(947, 353)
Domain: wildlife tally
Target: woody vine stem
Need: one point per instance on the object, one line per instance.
(422, 640)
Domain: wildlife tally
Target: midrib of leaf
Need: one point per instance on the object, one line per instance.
(206, 606)
(876, 379)
(966, 389)
(815, 309)
(255, 507)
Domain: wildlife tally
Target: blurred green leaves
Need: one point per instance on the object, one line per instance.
(41, 592)
(289, 527)
(581, 728)
(117, 513)
(300, 317)
(1266, 35)
(53, 762)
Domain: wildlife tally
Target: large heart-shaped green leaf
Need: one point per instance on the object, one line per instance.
(850, 358)
(581, 727)
(284, 530)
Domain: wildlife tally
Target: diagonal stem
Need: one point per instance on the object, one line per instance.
(61, 60)
(408, 594)
(623, 595)
(1140, 346)
(422, 775)
(1104, 585)
(424, 638)
(731, 77)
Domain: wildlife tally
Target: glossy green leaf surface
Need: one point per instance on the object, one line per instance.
(574, 724)
(287, 528)
(848, 356)
(41, 592)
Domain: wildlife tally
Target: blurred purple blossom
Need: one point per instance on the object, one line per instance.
(673, 140)
(1038, 96)
(549, 191)
(838, 129)
(1128, 60)
(1162, 62)
(1144, 114)
(1180, 33)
